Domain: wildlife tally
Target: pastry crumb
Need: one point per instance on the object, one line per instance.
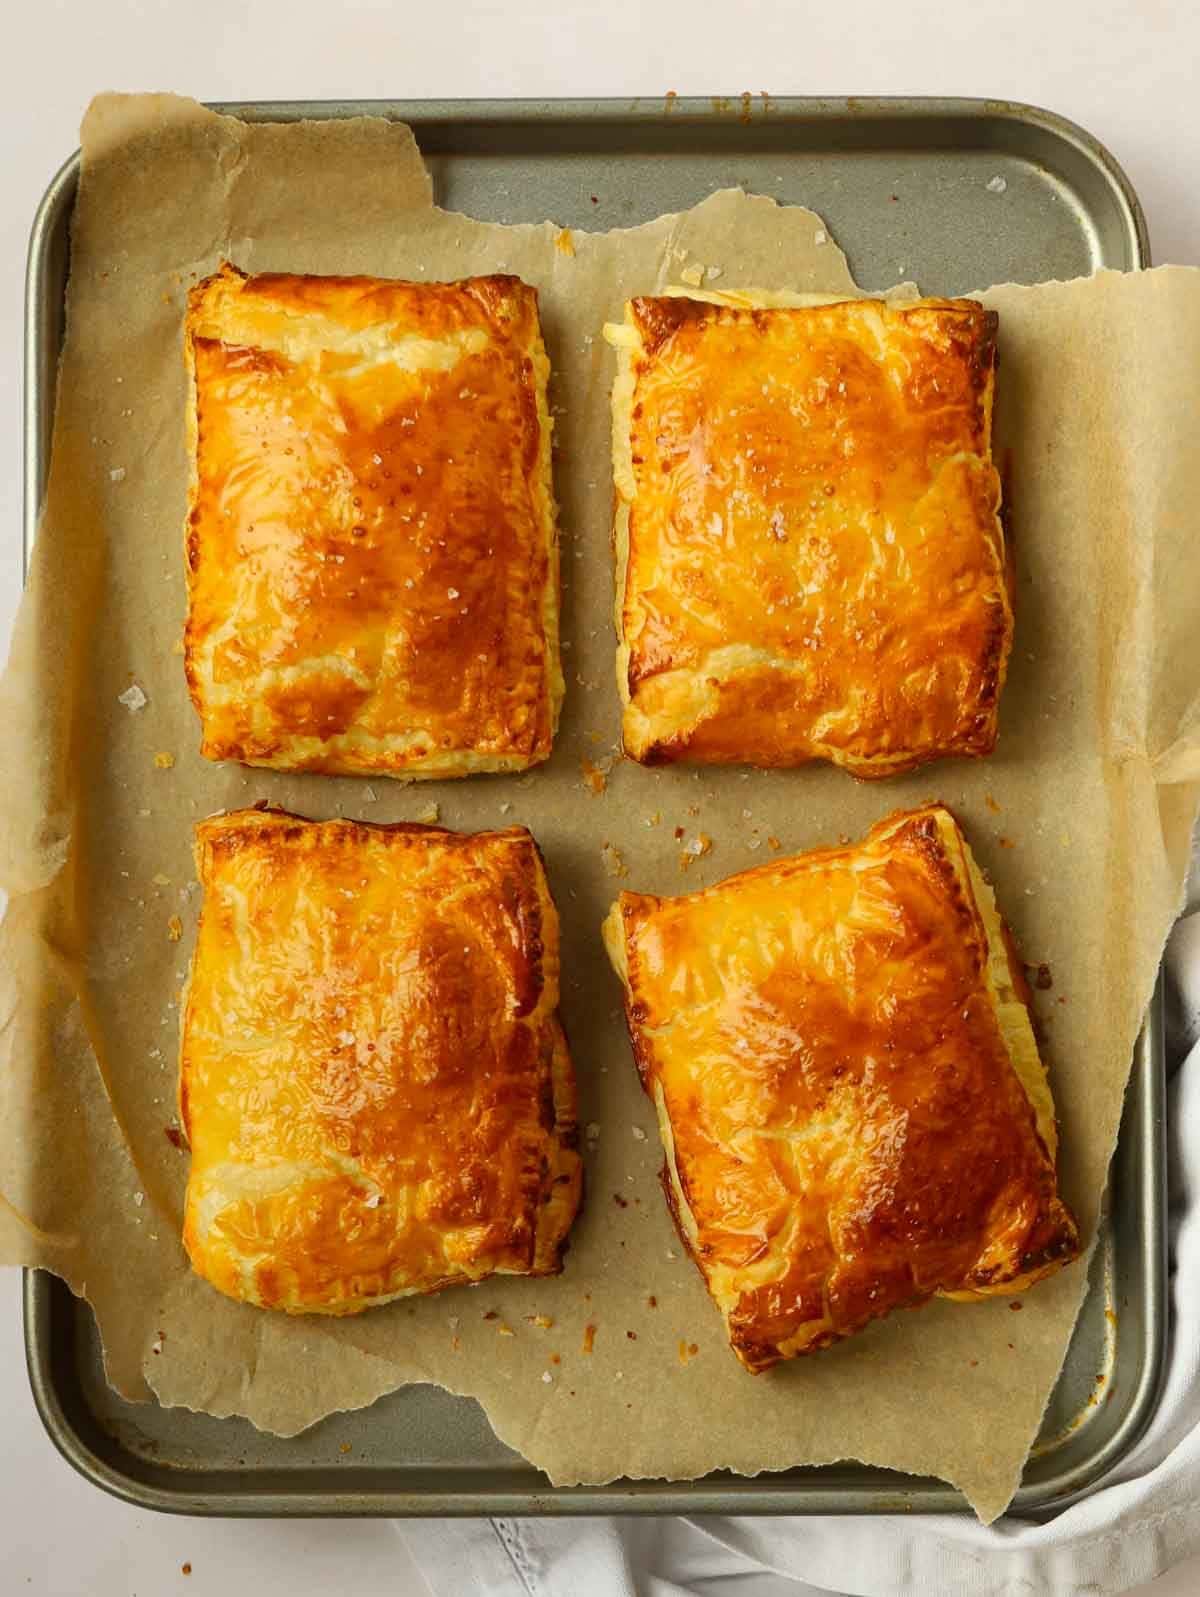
(589, 1339)
(692, 274)
(428, 815)
(164, 761)
(991, 803)
(544, 1321)
(564, 241)
(344, 1448)
(687, 1352)
(652, 820)
(174, 929)
(700, 845)
(820, 237)
(595, 774)
(160, 880)
(774, 844)
(504, 1329)
(614, 863)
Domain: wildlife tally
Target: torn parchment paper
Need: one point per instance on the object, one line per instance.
(1082, 817)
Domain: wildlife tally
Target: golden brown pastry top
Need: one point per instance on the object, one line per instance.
(371, 543)
(848, 1086)
(810, 561)
(374, 1081)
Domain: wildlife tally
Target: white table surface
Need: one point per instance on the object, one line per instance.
(1123, 68)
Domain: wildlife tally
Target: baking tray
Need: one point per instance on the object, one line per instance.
(904, 186)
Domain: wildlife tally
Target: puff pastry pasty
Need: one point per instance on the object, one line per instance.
(810, 563)
(374, 1081)
(853, 1109)
(371, 543)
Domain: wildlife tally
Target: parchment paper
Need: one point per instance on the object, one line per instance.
(1082, 817)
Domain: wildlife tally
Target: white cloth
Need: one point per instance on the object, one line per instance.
(1143, 1520)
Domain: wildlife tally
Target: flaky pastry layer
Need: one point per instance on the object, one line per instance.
(373, 1078)
(810, 561)
(371, 539)
(852, 1105)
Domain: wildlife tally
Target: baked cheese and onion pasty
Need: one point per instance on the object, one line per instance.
(374, 1081)
(853, 1109)
(809, 557)
(372, 553)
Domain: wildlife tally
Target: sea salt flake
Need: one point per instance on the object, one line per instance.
(133, 698)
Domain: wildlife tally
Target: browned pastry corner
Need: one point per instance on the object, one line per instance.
(852, 1105)
(372, 554)
(810, 562)
(373, 1077)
